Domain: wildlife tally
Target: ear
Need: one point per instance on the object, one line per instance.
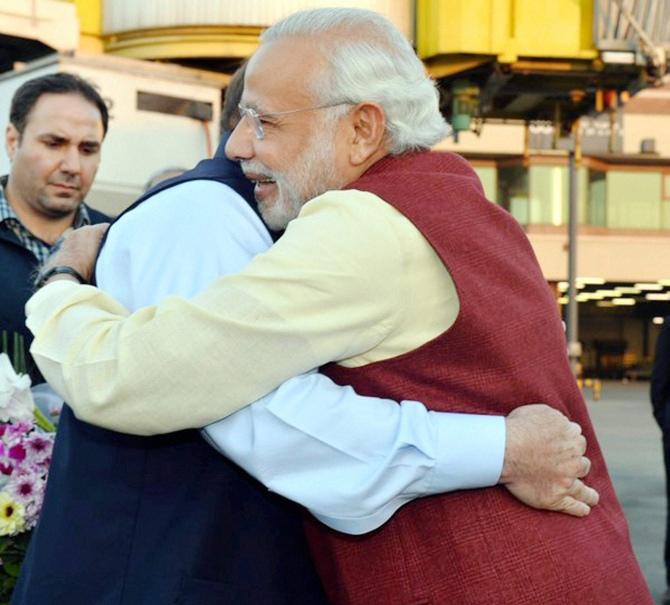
(12, 140)
(369, 127)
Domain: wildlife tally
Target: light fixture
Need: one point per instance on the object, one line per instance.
(657, 320)
(624, 302)
(587, 296)
(563, 286)
(646, 286)
(619, 57)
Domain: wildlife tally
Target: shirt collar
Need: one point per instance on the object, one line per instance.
(6, 211)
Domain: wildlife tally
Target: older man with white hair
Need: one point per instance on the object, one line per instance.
(403, 273)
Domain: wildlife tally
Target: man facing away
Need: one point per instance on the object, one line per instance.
(400, 271)
(660, 400)
(56, 127)
(130, 519)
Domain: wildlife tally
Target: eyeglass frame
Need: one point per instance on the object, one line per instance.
(255, 117)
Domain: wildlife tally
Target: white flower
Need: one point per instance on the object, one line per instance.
(16, 400)
(12, 516)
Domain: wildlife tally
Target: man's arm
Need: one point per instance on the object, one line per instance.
(309, 440)
(354, 460)
(309, 300)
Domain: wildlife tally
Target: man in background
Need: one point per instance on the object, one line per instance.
(56, 127)
(660, 401)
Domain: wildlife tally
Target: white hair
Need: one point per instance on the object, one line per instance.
(370, 60)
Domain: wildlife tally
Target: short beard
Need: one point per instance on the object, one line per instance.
(313, 173)
(50, 208)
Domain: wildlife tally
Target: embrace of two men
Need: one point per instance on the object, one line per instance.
(396, 277)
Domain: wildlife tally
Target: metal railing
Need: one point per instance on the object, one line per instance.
(638, 26)
(615, 23)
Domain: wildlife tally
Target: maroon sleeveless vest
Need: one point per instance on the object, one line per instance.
(506, 348)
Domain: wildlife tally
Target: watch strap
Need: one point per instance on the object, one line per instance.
(43, 277)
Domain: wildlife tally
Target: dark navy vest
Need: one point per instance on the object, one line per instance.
(18, 268)
(156, 520)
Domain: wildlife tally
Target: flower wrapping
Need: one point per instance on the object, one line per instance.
(26, 443)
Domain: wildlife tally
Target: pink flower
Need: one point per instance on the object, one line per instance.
(39, 446)
(27, 487)
(25, 453)
(24, 489)
(17, 452)
(17, 430)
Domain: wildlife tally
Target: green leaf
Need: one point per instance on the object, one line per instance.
(12, 569)
(42, 421)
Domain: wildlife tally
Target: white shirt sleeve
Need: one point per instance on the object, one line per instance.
(351, 460)
(354, 460)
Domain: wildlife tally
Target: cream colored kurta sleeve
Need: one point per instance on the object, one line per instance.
(330, 289)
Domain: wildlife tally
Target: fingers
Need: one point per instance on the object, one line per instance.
(574, 433)
(573, 507)
(585, 467)
(582, 492)
(579, 501)
(89, 231)
(574, 429)
(78, 249)
(582, 444)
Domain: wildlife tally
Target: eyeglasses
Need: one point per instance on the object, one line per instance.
(257, 118)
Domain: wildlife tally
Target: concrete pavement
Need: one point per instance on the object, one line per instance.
(631, 442)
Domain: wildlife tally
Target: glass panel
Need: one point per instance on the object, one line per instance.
(596, 202)
(548, 195)
(487, 175)
(513, 192)
(634, 200)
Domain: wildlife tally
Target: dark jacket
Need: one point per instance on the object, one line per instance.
(660, 378)
(156, 520)
(17, 272)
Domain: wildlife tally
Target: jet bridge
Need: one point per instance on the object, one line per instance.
(550, 60)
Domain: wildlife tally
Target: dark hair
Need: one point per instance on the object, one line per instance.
(230, 114)
(29, 92)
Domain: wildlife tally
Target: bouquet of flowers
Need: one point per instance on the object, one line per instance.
(26, 441)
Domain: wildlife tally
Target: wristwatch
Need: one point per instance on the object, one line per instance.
(42, 278)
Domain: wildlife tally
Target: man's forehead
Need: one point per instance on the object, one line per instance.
(59, 112)
(67, 102)
(278, 75)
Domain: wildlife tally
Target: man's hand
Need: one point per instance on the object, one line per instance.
(78, 249)
(544, 461)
